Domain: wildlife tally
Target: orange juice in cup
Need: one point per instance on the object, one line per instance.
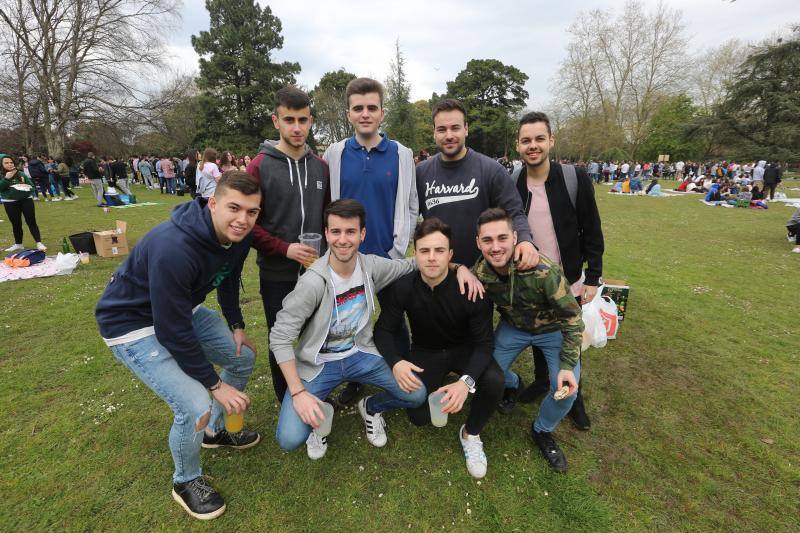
(234, 422)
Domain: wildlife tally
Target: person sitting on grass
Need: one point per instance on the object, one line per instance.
(793, 230)
(152, 317)
(654, 188)
(536, 309)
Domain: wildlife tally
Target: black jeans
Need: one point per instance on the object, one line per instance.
(44, 185)
(65, 185)
(15, 211)
(437, 364)
(769, 188)
(272, 295)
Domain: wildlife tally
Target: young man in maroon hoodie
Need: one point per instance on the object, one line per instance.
(294, 182)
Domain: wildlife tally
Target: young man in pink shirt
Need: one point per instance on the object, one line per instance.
(565, 224)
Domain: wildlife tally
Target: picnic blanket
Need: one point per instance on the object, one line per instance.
(791, 202)
(59, 265)
(128, 206)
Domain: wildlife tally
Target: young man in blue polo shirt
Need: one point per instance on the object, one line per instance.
(379, 173)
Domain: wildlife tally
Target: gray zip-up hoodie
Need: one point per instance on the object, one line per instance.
(406, 204)
(307, 310)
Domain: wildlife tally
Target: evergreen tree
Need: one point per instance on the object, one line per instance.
(399, 123)
(237, 75)
(492, 93)
(330, 106)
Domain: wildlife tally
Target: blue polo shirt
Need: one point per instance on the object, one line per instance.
(371, 178)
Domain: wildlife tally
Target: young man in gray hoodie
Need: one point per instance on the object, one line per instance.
(294, 183)
(329, 315)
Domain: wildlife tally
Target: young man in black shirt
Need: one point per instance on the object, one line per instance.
(449, 334)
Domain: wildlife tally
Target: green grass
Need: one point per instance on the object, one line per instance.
(704, 371)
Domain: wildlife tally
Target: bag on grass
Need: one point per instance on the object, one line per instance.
(24, 258)
(610, 315)
(594, 332)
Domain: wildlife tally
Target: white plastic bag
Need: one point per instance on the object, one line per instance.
(609, 314)
(594, 332)
(66, 263)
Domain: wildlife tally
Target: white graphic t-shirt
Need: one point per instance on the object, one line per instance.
(346, 319)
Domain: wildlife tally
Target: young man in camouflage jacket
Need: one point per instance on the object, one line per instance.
(536, 309)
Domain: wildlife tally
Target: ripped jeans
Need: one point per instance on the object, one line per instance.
(189, 400)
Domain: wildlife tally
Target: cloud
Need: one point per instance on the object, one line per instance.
(438, 38)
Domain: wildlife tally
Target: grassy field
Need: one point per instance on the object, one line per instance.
(694, 415)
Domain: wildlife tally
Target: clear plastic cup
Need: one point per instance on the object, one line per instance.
(438, 418)
(234, 422)
(84, 257)
(326, 423)
(313, 240)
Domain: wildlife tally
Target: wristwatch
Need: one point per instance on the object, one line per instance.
(236, 325)
(467, 379)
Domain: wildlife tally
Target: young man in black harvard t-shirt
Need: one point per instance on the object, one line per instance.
(449, 334)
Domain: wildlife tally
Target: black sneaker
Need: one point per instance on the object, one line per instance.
(577, 413)
(350, 394)
(198, 498)
(241, 440)
(533, 391)
(509, 400)
(550, 450)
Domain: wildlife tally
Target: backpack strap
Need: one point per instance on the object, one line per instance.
(571, 180)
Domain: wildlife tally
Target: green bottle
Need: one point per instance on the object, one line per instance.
(65, 246)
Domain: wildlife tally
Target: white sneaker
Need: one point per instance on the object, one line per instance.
(316, 446)
(376, 426)
(473, 452)
(56, 199)
(795, 250)
(15, 248)
(41, 247)
(69, 199)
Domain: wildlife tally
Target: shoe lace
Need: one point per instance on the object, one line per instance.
(473, 450)
(315, 441)
(549, 443)
(201, 487)
(376, 425)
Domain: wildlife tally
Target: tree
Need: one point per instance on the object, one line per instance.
(399, 123)
(84, 55)
(620, 72)
(759, 114)
(237, 75)
(492, 93)
(667, 131)
(330, 106)
(423, 127)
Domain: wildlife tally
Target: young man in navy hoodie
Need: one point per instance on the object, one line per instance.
(294, 182)
(159, 328)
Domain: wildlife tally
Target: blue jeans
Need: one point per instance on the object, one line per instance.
(171, 185)
(509, 342)
(188, 399)
(361, 367)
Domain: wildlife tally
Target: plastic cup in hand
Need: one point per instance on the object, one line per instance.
(438, 418)
(234, 422)
(324, 428)
(314, 240)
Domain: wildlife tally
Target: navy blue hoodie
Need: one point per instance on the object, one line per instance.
(187, 262)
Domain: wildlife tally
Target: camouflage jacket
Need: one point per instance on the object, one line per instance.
(537, 301)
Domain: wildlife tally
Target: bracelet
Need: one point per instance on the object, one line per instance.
(298, 392)
(215, 387)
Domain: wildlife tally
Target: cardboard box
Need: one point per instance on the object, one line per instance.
(113, 242)
(617, 290)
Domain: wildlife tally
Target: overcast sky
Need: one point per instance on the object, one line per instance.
(438, 37)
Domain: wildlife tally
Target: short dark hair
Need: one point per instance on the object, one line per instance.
(493, 214)
(237, 180)
(291, 97)
(432, 225)
(363, 86)
(534, 117)
(448, 104)
(346, 208)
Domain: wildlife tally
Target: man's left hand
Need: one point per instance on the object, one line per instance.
(240, 338)
(568, 377)
(468, 282)
(589, 292)
(526, 256)
(454, 397)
